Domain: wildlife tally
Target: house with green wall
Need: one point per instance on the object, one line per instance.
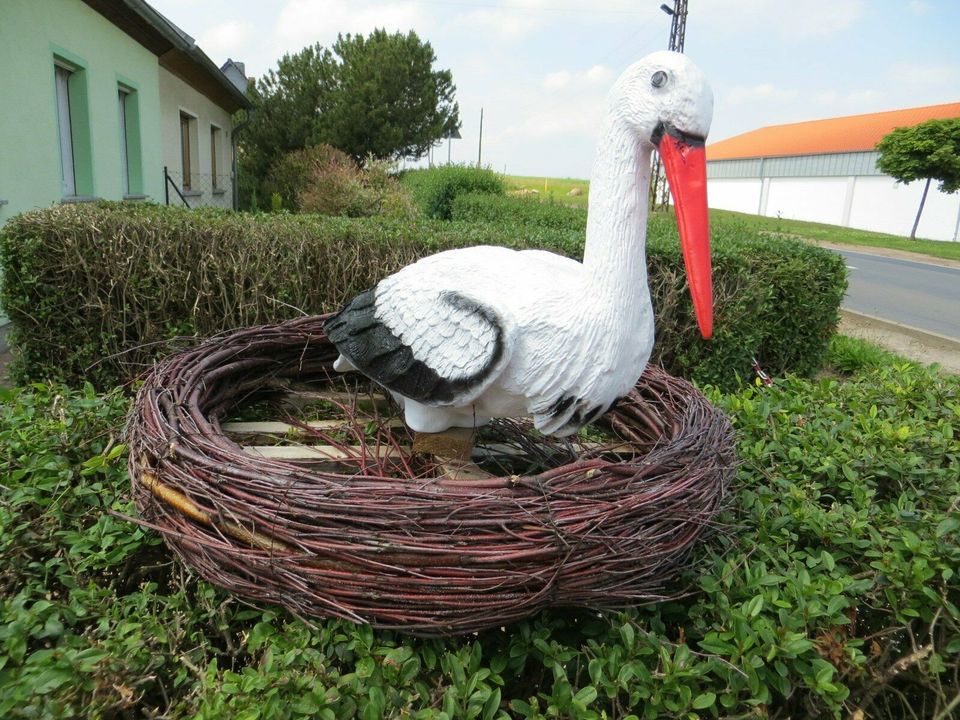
(98, 97)
(107, 99)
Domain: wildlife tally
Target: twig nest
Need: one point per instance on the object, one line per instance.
(340, 517)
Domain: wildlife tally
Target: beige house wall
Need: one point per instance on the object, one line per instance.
(179, 99)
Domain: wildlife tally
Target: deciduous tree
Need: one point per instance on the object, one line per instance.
(930, 150)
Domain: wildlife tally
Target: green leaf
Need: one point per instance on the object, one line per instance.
(704, 700)
(373, 710)
(491, 706)
(948, 525)
(586, 695)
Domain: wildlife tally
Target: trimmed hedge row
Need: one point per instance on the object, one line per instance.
(476, 207)
(97, 291)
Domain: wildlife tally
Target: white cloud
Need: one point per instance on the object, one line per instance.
(304, 22)
(918, 7)
(229, 39)
(791, 20)
(594, 76)
(925, 74)
(565, 117)
(504, 24)
(762, 93)
(853, 102)
(521, 18)
(557, 80)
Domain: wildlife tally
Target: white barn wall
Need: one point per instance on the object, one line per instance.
(877, 202)
(882, 204)
(731, 194)
(177, 96)
(814, 199)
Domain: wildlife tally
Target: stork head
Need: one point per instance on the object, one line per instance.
(665, 99)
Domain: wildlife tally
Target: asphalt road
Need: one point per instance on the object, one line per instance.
(911, 293)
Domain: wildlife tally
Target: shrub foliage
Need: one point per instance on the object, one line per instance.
(321, 179)
(96, 291)
(476, 207)
(435, 189)
(834, 587)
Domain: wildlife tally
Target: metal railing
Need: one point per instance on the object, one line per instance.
(202, 189)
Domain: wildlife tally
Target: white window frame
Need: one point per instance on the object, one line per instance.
(68, 173)
(216, 140)
(122, 95)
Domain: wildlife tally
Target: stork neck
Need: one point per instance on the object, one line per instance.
(615, 255)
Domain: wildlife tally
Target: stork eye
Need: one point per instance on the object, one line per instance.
(658, 79)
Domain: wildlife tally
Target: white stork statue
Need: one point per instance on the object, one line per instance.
(467, 335)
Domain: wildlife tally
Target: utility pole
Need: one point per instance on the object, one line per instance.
(659, 192)
(480, 144)
(678, 23)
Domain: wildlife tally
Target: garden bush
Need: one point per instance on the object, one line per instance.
(832, 587)
(434, 189)
(96, 291)
(475, 207)
(322, 179)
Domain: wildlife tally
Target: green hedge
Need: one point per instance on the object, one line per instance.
(96, 291)
(835, 587)
(435, 189)
(476, 207)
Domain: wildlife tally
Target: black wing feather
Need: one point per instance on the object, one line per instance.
(382, 356)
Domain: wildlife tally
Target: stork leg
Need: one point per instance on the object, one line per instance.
(451, 449)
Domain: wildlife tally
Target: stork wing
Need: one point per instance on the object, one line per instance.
(435, 346)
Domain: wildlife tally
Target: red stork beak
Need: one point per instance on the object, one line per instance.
(685, 161)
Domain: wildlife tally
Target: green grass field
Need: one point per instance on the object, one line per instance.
(556, 189)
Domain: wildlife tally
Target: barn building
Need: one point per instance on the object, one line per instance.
(826, 171)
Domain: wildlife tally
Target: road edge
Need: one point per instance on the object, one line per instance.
(930, 339)
(914, 344)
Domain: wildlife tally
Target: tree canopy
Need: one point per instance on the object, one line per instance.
(930, 150)
(378, 95)
(389, 102)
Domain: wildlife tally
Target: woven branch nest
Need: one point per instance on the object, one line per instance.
(361, 527)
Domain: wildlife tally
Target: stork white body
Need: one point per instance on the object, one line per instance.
(467, 335)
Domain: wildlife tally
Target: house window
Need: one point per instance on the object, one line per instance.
(131, 161)
(124, 141)
(187, 148)
(73, 126)
(67, 170)
(214, 149)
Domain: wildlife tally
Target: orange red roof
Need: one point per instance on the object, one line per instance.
(853, 133)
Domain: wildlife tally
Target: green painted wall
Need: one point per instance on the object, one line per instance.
(32, 34)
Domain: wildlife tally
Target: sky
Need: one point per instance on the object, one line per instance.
(540, 69)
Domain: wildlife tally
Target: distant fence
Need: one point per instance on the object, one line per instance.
(202, 189)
